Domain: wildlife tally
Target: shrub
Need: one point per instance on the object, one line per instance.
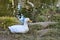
(8, 21)
(55, 18)
(41, 18)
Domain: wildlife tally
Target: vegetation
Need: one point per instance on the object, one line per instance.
(7, 21)
(44, 10)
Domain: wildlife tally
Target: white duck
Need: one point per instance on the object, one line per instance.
(20, 28)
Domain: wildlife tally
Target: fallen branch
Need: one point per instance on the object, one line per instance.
(43, 23)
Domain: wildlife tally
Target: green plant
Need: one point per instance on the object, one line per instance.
(8, 21)
(55, 18)
(41, 18)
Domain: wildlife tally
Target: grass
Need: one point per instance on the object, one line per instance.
(53, 34)
(55, 17)
(8, 21)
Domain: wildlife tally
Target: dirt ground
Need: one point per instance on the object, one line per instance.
(31, 35)
(36, 32)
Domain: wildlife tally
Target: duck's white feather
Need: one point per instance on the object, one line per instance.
(19, 28)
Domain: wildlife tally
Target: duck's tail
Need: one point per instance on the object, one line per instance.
(11, 30)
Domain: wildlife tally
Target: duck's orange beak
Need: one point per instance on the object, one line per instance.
(29, 21)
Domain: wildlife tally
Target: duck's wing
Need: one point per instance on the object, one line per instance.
(16, 28)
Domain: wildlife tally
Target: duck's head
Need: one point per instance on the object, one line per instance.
(27, 20)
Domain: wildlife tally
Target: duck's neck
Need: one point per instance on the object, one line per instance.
(25, 24)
